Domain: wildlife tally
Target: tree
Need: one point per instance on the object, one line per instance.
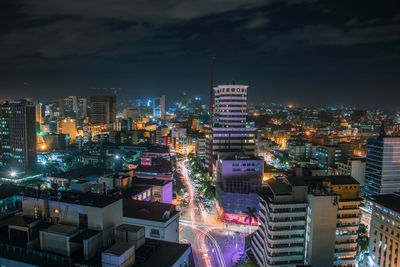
(363, 240)
(207, 188)
(251, 215)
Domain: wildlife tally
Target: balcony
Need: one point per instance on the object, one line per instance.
(284, 240)
(284, 258)
(349, 211)
(295, 230)
(286, 205)
(348, 228)
(352, 244)
(287, 214)
(350, 261)
(258, 253)
(346, 253)
(352, 236)
(286, 223)
(285, 249)
(348, 220)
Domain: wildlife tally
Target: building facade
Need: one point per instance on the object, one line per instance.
(103, 109)
(382, 170)
(308, 220)
(385, 230)
(228, 133)
(18, 135)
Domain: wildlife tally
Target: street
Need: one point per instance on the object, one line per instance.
(213, 243)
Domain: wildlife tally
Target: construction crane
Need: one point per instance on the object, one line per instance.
(114, 89)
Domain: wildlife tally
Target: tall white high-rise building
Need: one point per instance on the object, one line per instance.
(230, 103)
(228, 134)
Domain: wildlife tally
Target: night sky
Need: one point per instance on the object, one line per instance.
(288, 51)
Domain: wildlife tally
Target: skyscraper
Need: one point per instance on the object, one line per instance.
(103, 109)
(159, 107)
(18, 135)
(382, 171)
(228, 132)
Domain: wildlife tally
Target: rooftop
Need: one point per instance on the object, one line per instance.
(161, 166)
(334, 180)
(159, 253)
(9, 190)
(241, 157)
(84, 172)
(135, 190)
(148, 210)
(63, 229)
(145, 181)
(280, 188)
(119, 248)
(129, 227)
(86, 199)
(390, 201)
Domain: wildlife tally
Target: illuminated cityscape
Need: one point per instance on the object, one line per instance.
(198, 134)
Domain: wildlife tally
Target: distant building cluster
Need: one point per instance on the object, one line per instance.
(92, 181)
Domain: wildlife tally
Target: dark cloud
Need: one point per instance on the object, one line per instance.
(282, 48)
(334, 36)
(152, 11)
(66, 37)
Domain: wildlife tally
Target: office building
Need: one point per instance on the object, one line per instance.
(238, 179)
(328, 156)
(159, 107)
(385, 230)
(18, 135)
(308, 220)
(299, 150)
(382, 170)
(200, 149)
(228, 133)
(103, 109)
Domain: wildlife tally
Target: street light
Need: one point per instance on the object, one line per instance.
(13, 173)
(116, 156)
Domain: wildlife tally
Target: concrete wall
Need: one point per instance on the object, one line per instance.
(57, 243)
(167, 193)
(321, 230)
(168, 230)
(92, 246)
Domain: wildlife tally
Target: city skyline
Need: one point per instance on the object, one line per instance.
(306, 52)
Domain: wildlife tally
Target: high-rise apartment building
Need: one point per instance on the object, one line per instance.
(18, 135)
(308, 221)
(228, 132)
(159, 107)
(382, 170)
(103, 109)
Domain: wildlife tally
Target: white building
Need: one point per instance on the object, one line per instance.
(308, 220)
(354, 167)
(228, 133)
(161, 220)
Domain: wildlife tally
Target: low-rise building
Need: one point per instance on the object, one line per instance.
(160, 220)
